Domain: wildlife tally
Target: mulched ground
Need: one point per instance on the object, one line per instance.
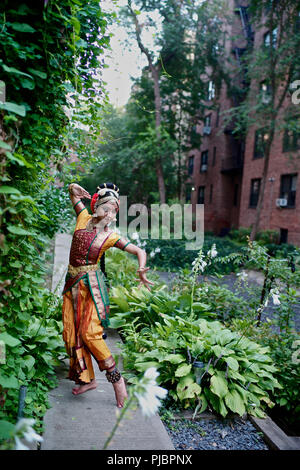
(215, 434)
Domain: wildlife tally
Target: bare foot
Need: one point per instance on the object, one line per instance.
(84, 388)
(120, 392)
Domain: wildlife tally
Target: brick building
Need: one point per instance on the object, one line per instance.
(225, 173)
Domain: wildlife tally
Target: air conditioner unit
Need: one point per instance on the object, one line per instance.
(203, 167)
(281, 202)
(206, 130)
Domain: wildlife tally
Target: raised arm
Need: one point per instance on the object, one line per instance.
(77, 193)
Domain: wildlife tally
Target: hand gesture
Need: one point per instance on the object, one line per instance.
(79, 192)
(143, 280)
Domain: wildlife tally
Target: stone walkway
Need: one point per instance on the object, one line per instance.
(84, 422)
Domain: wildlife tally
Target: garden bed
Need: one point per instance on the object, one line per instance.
(215, 434)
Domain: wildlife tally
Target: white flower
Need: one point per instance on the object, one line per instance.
(25, 430)
(152, 253)
(275, 297)
(266, 302)
(151, 374)
(144, 243)
(213, 252)
(20, 445)
(135, 236)
(157, 250)
(149, 393)
(243, 275)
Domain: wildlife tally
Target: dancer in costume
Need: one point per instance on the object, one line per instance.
(85, 294)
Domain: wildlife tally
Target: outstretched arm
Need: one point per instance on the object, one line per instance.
(142, 257)
(77, 193)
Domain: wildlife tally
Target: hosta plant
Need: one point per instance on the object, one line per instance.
(238, 374)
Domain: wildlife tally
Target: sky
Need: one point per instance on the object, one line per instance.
(124, 61)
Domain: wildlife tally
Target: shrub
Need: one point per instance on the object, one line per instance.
(238, 374)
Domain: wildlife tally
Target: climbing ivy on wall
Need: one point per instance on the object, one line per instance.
(51, 55)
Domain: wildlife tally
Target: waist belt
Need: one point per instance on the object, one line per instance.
(79, 269)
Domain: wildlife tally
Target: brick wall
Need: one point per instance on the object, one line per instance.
(229, 205)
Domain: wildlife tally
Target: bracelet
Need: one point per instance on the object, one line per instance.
(71, 188)
(141, 269)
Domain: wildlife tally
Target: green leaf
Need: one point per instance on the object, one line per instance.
(18, 230)
(38, 73)
(9, 190)
(232, 363)
(218, 386)
(4, 145)
(9, 340)
(23, 28)
(6, 429)
(235, 402)
(117, 322)
(28, 361)
(9, 382)
(183, 370)
(13, 108)
(174, 358)
(16, 71)
(143, 366)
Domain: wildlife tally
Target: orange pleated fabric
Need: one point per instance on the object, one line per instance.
(82, 334)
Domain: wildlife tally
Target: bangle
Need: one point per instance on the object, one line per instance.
(141, 269)
(71, 188)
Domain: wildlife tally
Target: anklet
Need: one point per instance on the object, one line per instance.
(113, 376)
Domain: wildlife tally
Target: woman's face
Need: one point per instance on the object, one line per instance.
(107, 212)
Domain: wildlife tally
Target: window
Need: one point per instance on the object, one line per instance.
(254, 192)
(210, 193)
(291, 140)
(235, 195)
(265, 92)
(214, 156)
(210, 90)
(218, 116)
(288, 189)
(191, 165)
(261, 137)
(188, 193)
(207, 120)
(271, 36)
(283, 235)
(201, 190)
(204, 161)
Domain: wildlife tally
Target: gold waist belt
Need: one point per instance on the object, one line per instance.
(79, 269)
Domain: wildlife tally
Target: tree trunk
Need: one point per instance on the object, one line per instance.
(157, 104)
(260, 202)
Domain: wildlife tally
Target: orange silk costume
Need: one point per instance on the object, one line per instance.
(85, 299)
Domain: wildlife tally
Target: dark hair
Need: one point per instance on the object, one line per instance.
(108, 193)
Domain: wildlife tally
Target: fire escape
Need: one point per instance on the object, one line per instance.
(234, 163)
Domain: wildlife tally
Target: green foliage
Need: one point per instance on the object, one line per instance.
(238, 375)
(49, 55)
(173, 256)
